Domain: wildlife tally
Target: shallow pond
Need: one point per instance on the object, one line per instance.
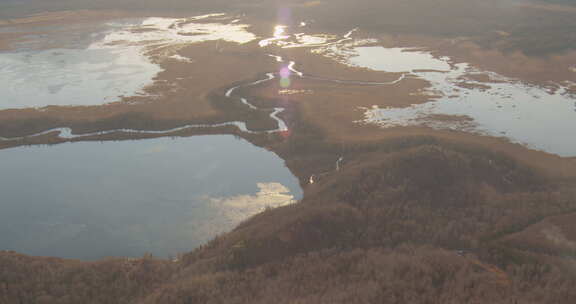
(163, 196)
(71, 77)
(534, 116)
(94, 65)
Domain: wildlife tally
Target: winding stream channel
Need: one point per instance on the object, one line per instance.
(500, 107)
(67, 133)
(163, 196)
(207, 184)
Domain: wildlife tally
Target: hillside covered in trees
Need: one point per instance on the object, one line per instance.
(412, 220)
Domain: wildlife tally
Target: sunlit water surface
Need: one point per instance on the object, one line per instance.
(107, 62)
(527, 114)
(163, 196)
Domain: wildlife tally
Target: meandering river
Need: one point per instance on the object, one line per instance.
(165, 196)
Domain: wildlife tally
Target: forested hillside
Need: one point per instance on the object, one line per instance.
(413, 220)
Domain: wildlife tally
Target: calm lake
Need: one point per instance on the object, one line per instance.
(90, 200)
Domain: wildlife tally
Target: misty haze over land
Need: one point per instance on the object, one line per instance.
(287, 151)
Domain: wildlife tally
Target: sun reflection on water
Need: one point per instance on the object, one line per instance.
(280, 31)
(279, 34)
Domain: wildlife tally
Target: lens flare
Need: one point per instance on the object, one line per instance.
(285, 72)
(285, 15)
(285, 82)
(285, 77)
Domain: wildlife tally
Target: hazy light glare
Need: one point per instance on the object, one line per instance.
(285, 82)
